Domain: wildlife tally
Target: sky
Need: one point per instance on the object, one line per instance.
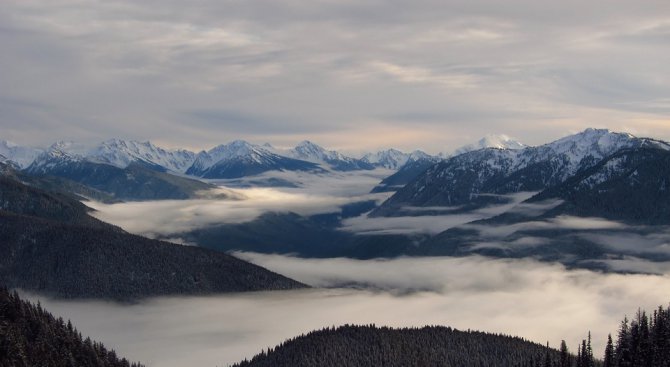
(350, 75)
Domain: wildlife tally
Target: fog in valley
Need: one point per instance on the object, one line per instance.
(538, 301)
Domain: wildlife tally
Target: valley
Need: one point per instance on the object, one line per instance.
(538, 235)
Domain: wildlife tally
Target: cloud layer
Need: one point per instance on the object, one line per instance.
(317, 194)
(535, 300)
(348, 74)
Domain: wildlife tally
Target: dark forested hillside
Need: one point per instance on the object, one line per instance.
(135, 182)
(290, 233)
(31, 336)
(69, 260)
(405, 174)
(58, 185)
(50, 244)
(361, 346)
(18, 198)
(632, 185)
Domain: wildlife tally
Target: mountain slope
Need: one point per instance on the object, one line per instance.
(632, 185)
(18, 198)
(361, 346)
(135, 182)
(408, 172)
(240, 158)
(56, 185)
(75, 261)
(69, 256)
(618, 208)
(483, 177)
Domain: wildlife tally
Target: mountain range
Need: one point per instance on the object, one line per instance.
(486, 176)
(235, 159)
(592, 197)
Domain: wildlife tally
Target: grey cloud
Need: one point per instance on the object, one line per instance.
(633, 243)
(335, 71)
(430, 224)
(559, 222)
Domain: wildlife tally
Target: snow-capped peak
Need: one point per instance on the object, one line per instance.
(67, 148)
(236, 148)
(309, 151)
(393, 158)
(121, 153)
(20, 155)
(389, 158)
(500, 141)
(599, 141)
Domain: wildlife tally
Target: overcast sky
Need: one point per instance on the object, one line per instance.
(348, 74)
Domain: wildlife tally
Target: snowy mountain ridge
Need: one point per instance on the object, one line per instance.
(122, 153)
(501, 141)
(393, 158)
(22, 156)
(463, 179)
(311, 152)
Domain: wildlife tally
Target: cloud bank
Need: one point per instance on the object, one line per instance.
(429, 224)
(538, 301)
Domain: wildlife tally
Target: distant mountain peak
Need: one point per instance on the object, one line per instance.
(312, 152)
(507, 171)
(393, 158)
(19, 155)
(121, 153)
(498, 141)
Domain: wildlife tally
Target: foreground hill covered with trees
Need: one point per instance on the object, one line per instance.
(31, 336)
(350, 346)
(642, 342)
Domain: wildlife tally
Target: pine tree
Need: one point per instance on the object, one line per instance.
(622, 352)
(589, 361)
(608, 360)
(565, 356)
(547, 357)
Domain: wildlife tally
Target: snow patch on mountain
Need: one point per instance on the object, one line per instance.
(311, 152)
(59, 154)
(393, 158)
(20, 155)
(122, 153)
(491, 141)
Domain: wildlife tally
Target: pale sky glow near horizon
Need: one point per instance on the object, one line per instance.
(349, 75)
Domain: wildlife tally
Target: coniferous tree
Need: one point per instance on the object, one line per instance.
(547, 357)
(608, 360)
(622, 352)
(589, 361)
(564, 356)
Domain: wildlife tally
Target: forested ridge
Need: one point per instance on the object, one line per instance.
(31, 336)
(361, 346)
(50, 244)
